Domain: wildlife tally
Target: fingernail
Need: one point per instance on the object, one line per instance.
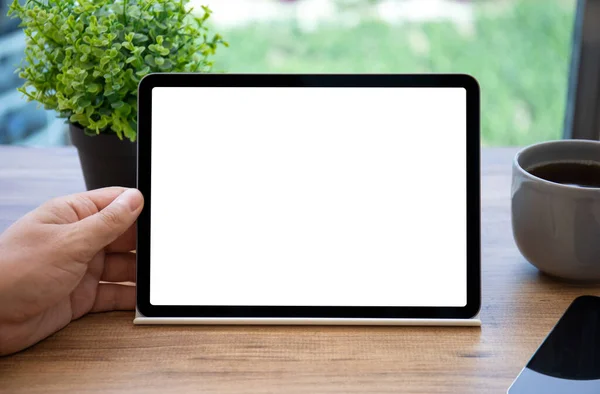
(132, 198)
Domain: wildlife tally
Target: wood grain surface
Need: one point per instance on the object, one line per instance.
(105, 353)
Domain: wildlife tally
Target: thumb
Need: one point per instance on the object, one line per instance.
(105, 226)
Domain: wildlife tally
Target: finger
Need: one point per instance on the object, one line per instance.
(97, 231)
(114, 297)
(74, 207)
(102, 197)
(125, 243)
(119, 267)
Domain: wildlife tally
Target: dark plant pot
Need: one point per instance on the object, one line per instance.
(105, 159)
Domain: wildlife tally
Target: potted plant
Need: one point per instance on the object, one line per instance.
(85, 58)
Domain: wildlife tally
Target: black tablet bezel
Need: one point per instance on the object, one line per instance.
(472, 142)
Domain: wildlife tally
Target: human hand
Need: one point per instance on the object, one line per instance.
(53, 262)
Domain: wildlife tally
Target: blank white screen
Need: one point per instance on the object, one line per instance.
(308, 196)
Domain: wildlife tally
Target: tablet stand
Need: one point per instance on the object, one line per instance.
(143, 320)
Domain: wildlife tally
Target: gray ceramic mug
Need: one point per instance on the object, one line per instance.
(557, 227)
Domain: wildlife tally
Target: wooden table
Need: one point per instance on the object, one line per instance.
(105, 353)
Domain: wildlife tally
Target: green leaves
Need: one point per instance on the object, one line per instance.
(94, 88)
(158, 49)
(143, 71)
(85, 58)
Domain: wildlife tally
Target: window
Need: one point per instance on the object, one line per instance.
(519, 50)
(582, 118)
(21, 122)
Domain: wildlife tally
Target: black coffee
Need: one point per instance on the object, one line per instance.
(584, 174)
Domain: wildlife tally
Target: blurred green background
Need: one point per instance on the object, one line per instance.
(518, 50)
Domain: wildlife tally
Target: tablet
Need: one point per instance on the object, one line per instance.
(308, 199)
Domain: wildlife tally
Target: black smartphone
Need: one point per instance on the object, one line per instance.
(568, 361)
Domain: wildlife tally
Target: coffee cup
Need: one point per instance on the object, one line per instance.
(555, 207)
